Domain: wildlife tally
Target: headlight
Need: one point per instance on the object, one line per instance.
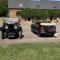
(6, 27)
(15, 27)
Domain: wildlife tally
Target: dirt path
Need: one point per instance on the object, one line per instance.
(29, 37)
(27, 31)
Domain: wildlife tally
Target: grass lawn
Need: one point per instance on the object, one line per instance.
(30, 51)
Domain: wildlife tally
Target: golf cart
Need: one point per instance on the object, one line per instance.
(11, 28)
(44, 29)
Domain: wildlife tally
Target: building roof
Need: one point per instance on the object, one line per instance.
(40, 4)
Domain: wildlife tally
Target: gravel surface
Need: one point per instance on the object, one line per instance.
(30, 37)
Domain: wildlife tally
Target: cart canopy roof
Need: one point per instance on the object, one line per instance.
(48, 24)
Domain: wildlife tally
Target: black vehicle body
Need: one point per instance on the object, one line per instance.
(44, 30)
(11, 30)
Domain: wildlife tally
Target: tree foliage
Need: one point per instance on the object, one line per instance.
(3, 7)
(39, 13)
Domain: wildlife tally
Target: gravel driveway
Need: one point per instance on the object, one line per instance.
(30, 37)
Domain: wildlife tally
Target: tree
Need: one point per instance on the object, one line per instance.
(3, 7)
(39, 13)
(53, 13)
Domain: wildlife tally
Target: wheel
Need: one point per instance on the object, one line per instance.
(20, 34)
(2, 36)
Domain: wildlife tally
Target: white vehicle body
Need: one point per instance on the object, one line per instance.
(11, 20)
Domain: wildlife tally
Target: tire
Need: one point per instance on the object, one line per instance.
(2, 36)
(20, 34)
